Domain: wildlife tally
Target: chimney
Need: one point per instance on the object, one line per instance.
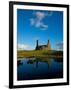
(36, 44)
(49, 45)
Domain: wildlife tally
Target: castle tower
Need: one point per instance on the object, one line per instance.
(37, 45)
(49, 45)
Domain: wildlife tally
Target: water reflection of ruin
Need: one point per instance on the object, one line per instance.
(19, 63)
(36, 61)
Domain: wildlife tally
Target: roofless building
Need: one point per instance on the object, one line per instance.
(43, 47)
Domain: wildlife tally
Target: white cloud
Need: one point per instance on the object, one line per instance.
(38, 20)
(32, 21)
(40, 15)
(60, 45)
(44, 26)
(23, 47)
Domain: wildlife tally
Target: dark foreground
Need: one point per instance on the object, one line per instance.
(39, 68)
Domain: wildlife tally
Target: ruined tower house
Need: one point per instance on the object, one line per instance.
(43, 47)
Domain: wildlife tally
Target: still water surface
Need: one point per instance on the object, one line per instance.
(39, 68)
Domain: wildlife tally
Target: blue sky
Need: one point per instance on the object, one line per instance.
(41, 25)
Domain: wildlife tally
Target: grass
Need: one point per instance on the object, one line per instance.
(40, 53)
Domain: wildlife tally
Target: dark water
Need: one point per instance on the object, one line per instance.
(39, 68)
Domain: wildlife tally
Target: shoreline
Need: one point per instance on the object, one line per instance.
(40, 57)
